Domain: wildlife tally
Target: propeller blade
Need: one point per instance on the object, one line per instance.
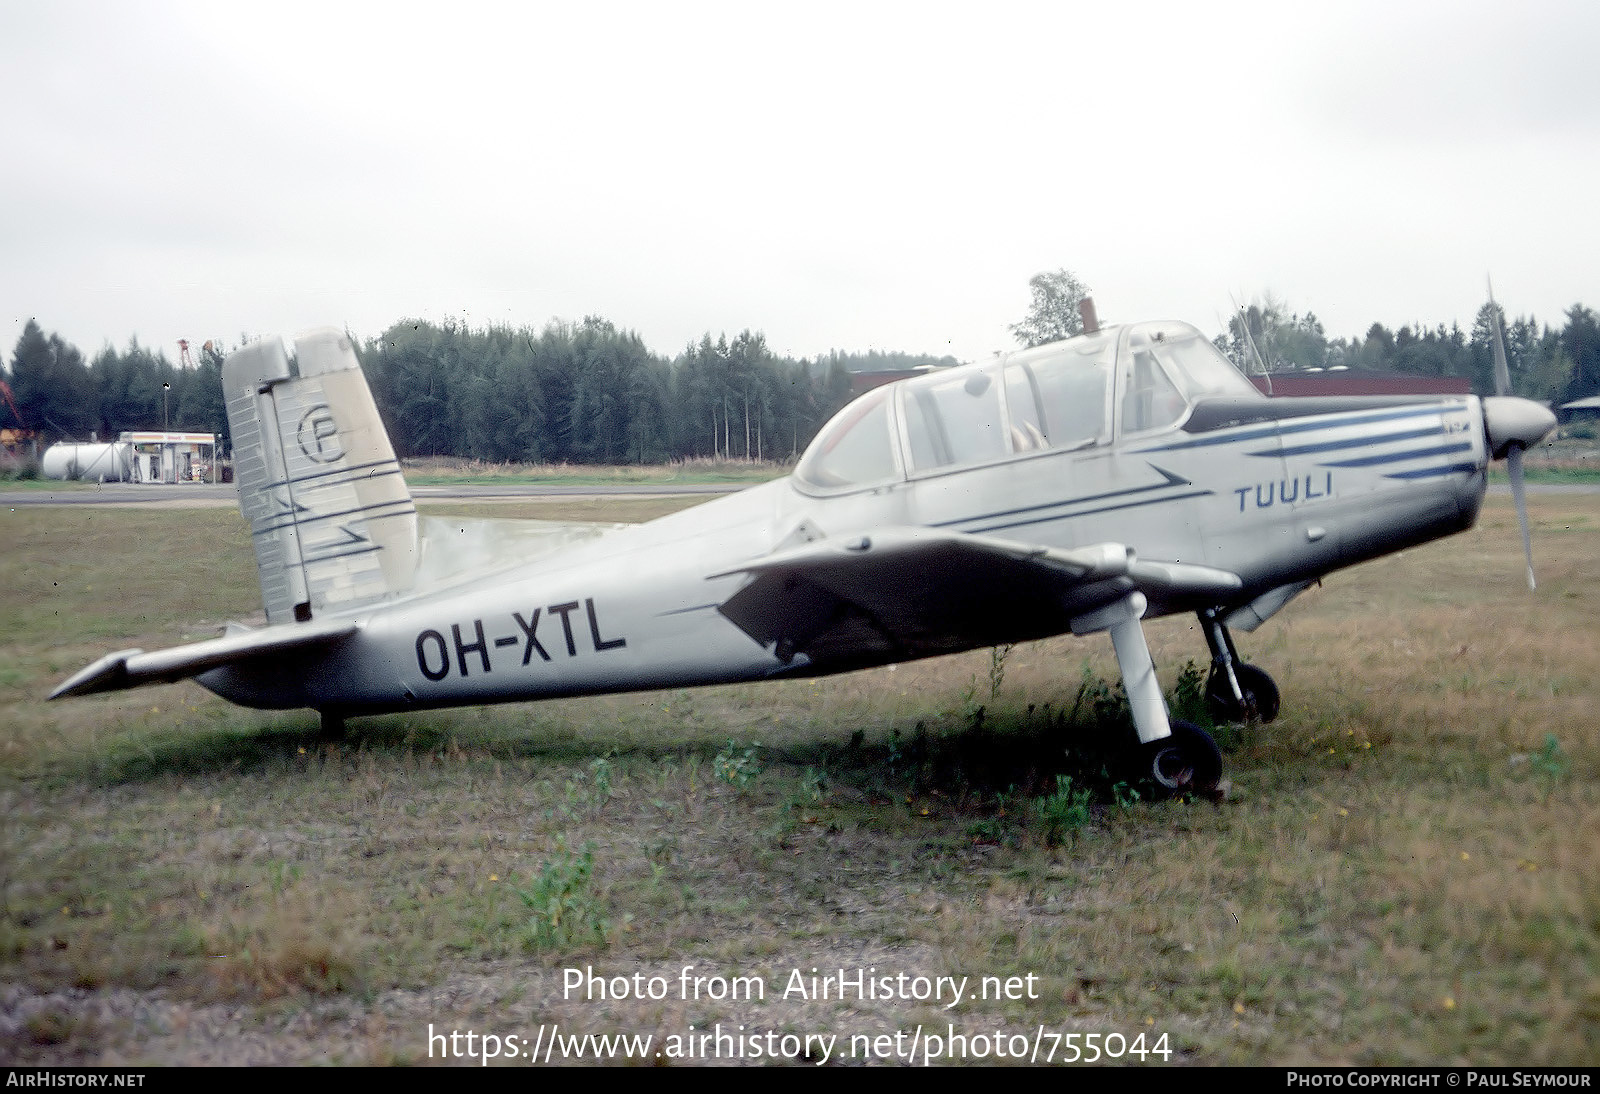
(1502, 374)
(1502, 387)
(1519, 495)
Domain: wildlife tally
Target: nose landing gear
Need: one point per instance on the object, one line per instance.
(1235, 691)
(1256, 700)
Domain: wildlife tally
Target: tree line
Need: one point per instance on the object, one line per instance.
(60, 396)
(585, 392)
(590, 392)
(1545, 363)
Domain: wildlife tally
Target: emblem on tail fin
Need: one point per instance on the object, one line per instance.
(318, 435)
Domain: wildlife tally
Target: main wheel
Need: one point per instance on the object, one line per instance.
(1260, 695)
(1187, 761)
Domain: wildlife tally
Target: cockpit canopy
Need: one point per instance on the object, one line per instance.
(1086, 391)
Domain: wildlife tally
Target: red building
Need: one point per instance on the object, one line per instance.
(1359, 381)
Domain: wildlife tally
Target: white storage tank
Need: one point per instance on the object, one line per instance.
(90, 462)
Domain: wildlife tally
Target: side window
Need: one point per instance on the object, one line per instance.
(1022, 399)
(1149, 399)
(953, 420)
(1069, 393)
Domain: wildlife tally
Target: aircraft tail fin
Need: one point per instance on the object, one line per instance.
(330, 515)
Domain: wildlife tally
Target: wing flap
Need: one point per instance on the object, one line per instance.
(134, 668)
(902, 591)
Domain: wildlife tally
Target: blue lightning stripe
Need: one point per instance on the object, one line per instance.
(1307, 426)
(399, 507)
(1398, 457)
(1352, 442)
(1089, 512)
(1171, 480)
(388, 466)
(1207, 442)
(1432, 472)
(350, 552)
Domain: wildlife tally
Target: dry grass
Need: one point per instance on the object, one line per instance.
(1401, 874)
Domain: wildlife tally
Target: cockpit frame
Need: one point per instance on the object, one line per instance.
(1087, 392)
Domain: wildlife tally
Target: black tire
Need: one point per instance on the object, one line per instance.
(1186, 762)
(1260, 696)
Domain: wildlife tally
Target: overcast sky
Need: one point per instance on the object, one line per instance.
(844, 176)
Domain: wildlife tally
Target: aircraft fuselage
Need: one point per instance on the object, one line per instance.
(1278, 492)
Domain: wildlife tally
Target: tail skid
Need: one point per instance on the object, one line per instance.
(331, 519)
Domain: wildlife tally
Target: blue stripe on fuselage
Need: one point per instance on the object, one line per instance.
(1431, 472)
(1281, 428)
(1088, 512)
(1398, 457)
(1351, 442)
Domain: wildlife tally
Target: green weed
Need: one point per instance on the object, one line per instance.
(1550, 764)
(813, 786)
(737, 768)
(1189, 695)
(566, 912)
(1064, 812)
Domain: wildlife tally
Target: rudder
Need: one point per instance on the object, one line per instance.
(331, 518)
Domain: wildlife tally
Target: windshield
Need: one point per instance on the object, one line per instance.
(1194, 363)
(854, 448)
(1165, 368)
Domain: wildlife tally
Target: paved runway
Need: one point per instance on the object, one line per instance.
(204, 495)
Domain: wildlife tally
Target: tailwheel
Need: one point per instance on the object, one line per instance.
(1260, 703)
(1186, 762)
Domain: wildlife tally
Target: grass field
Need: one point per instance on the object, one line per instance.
(1402, 871)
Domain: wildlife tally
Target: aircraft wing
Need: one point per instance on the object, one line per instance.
(132, 668)
(917, 591)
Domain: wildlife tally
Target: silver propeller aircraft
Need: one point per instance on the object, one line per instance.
(1083, 486)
